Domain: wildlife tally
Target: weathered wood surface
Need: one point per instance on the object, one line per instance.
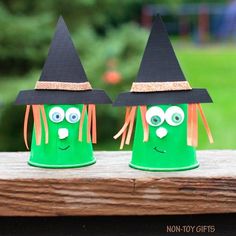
(111, 187)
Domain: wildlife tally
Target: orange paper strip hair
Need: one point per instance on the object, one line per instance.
(131, 125)
(189, 129)
(94, 125)
(89, 123)
(143, 110)
(127, 128)
(37, 123)
(195, 126)
(125, 131)
(192, 131)
(124, 127)
(82, 122)
(205, 123)
(45, 123)
(26, 119)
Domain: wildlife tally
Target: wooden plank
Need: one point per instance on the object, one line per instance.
(110, 187)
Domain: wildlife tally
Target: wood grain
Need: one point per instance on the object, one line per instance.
(111, 187)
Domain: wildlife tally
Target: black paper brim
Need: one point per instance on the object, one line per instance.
(34, 97)
(170, 97)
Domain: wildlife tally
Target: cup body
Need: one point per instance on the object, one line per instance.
(61, 151)
(169, 153)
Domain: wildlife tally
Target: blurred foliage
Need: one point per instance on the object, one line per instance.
(108, 38)
(27, 26)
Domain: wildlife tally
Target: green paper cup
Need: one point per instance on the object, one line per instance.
(166, 149)
(63, 149)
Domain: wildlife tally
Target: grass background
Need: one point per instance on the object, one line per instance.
(214, 68)
(211, 67)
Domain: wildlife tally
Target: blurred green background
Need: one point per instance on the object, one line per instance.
(110, 37)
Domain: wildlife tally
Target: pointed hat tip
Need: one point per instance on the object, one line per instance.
(158, 18)
(61, 19)
(61, 24)
(158, 23)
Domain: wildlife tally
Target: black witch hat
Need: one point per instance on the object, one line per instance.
(63, 79)
(160, 79)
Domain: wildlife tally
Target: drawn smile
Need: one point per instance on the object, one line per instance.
(158, 150)
(63, 149)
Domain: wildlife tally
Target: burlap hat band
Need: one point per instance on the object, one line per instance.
(160, 86)
(55, 85)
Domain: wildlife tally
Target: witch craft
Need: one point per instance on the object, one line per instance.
(63, 105)
(166, 132)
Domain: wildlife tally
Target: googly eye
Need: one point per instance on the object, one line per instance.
(56, 114)
(155, 116)
(174, 116)
(72, 115)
